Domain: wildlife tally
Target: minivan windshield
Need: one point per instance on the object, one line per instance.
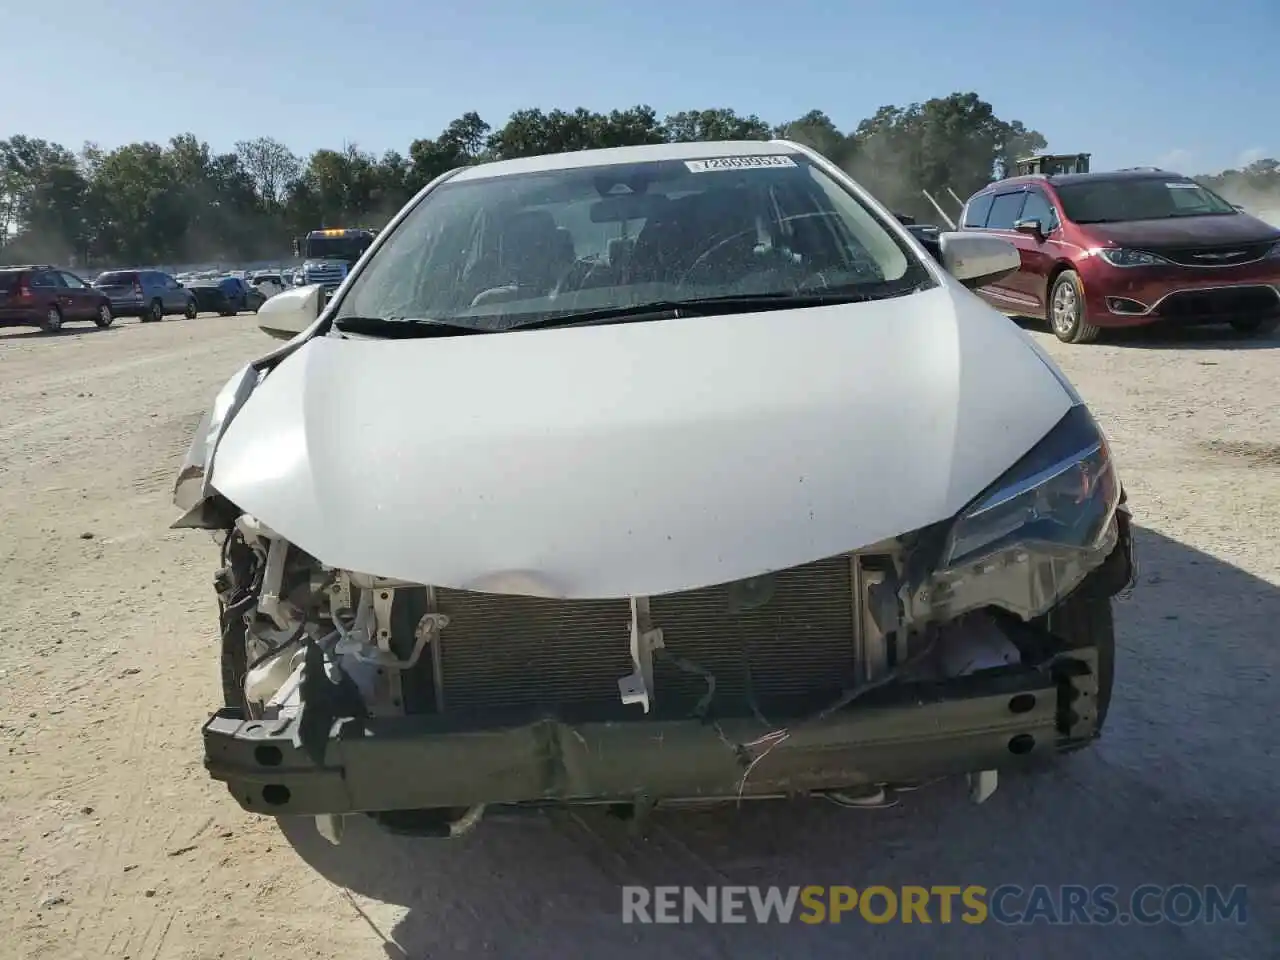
(1120, 200)
(494, 252)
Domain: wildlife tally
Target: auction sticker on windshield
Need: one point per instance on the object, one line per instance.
(738, 163)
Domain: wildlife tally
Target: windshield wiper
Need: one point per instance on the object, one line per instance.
(406, 328)
(699, 307)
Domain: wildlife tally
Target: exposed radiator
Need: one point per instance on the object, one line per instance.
(787, 634)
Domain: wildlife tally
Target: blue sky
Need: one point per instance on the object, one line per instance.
(1191, 85)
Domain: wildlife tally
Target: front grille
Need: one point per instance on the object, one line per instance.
(1221, 303)
(1219, 256)
(785, 636)
(329, 277)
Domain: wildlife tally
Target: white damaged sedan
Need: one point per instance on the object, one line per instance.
(646, 476)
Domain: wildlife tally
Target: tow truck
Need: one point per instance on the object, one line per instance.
(329, 254)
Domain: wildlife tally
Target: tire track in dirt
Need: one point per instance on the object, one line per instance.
(117, 446)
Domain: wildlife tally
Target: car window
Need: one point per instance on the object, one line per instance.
(9, 279)
(1004, 210)
(1037, 207)
(72, 281)
(495, 251)
(975, 212)
(118, 278)
(42, 279)
(1120, 200)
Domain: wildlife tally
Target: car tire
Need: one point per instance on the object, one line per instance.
(1256, 327)
(1067, 316)
(154, 312)
(104, 316)
(190, 311)
(52, 322)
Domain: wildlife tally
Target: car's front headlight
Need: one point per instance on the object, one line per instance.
(1126, 257)
(1062, 494)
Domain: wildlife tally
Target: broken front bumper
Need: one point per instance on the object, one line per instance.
(898, 734)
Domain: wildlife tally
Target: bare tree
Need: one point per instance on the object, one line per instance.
(271, 164)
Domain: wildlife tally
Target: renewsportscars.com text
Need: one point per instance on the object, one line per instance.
(1009, 904)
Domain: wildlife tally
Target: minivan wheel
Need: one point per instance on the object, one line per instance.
(157, 311)
(1067, 311)
(104, 317)
(190, 312)
(52, 321)
(1256, 326)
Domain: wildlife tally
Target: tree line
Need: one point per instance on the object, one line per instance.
(146, 203)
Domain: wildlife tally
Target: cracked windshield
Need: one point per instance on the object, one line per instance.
(495, 252)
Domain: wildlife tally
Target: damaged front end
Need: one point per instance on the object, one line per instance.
(972, 644)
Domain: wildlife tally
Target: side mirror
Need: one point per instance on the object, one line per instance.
(1240, 208)
(977, 260)
(1031, 227)
(290, 312)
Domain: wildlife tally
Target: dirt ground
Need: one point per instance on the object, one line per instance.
(113, 843)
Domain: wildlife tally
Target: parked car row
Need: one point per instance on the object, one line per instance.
(227, 296)
(44, 296)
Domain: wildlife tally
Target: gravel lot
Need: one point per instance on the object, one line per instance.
(116, 845)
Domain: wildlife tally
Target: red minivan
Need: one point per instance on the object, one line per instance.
(1128, 248)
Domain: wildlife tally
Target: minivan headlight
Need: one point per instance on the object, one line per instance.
(1062, 494)
(1126, 257)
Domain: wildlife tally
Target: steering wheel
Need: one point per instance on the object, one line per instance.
(573, 278)
(808, 280)
(700, 260)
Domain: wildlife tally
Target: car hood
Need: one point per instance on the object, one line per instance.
(1184, 231)
(638, 459)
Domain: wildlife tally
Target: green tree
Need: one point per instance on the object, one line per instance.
(154, 203)
(817, 131)
(720, 123)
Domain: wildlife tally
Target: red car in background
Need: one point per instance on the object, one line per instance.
(1128, 248)
(38, 295)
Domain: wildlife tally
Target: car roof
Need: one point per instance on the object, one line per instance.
(1066, 179)
(647, 153)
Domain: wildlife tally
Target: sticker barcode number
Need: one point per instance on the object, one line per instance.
(738, 163)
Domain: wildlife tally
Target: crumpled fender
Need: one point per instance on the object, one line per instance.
(191, 490)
